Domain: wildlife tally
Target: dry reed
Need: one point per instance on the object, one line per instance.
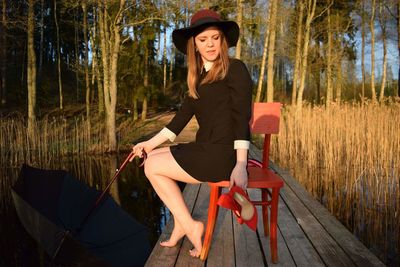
(53, 138)
(348, 157)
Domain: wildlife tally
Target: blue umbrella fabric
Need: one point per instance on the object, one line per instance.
(52, 205)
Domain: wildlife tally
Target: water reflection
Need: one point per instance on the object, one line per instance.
(131, 190)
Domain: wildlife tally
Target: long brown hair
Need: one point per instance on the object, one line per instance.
(195, 64)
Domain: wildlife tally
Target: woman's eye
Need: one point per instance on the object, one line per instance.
(216, 37)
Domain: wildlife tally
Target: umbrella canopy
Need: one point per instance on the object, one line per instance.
(52, 205)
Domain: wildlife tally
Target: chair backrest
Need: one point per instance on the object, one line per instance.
(265, 120)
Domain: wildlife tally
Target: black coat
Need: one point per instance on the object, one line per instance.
(223, 111)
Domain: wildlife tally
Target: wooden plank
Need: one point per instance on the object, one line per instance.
(222, 250)
(356, 250)
(296, 248)
(247, 247)
(199, 213)
(301, 250)
(330, 251)
(161, 256)
(284, 256)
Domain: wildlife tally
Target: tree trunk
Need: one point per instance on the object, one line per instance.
(382, 22)
(398, 47)
(110, 53)
(297, 61)
(264, 57)
(60, 90)
(239, 21)
(41, 38)
(31, 70)
(329, 89)
(135, 108)
(311, 5)
(145, 82)
(96, 66)
(318, 79)
(271, 52)
(171, 64)
(362, 52)
(372, 29)
(76, 39)
(165, 59)
(86, 59)
(338, 83)
(3, 82)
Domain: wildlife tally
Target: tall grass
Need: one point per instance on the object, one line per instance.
(53, 138)
(348, 157)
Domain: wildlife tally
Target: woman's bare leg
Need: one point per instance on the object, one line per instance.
(162, 171)
(177, 232)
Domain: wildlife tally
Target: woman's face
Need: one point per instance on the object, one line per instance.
(208, 43)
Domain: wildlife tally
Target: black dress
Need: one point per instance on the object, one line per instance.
(223, 112)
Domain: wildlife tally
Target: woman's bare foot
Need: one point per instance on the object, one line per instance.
(176, 235)
(195, 237)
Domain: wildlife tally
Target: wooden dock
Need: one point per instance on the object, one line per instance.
(308, 235)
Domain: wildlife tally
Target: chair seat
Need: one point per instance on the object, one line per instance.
(258, 178)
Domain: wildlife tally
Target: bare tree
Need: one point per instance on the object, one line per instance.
(110, 41)
(60, 89)
(3, 87)
(362, 51)
(299, 37)
(31, 69)
(310, 7)
(96, 65)
(165, 58)
(271, 51)
(372, 30)
(398, 47)
(86, 59)
(41, 37)
(239, 21)
(382, 18)
(264, 57)
(145, 82)
(329, 88)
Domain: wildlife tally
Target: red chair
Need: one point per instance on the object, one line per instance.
(265, 121)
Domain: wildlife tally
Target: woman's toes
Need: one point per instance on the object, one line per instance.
(194, 253)
(195, 237)
(168, 243)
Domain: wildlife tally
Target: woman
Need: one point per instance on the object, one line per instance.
(220, 98)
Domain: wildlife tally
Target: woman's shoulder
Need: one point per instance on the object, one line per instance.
(236, 65)
(237, 70)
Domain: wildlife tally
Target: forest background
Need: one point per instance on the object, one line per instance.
(81, 76)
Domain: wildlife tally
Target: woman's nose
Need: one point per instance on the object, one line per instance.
(210, 43)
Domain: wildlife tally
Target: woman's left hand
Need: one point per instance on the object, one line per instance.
(239, 175)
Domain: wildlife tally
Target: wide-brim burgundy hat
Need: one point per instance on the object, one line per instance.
(201, 20)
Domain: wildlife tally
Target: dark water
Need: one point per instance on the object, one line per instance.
(131, 190)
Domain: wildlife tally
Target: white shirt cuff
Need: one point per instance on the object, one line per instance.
(168, 133)
(241, 144)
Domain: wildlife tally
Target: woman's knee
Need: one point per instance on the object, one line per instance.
(152, 165)
(148, 167)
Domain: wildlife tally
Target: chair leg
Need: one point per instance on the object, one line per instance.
(215, 192)
(264, 198)
(274, 221)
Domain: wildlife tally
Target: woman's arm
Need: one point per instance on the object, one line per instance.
(240, 83)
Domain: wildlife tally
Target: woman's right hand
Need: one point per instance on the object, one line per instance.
(138, 149)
